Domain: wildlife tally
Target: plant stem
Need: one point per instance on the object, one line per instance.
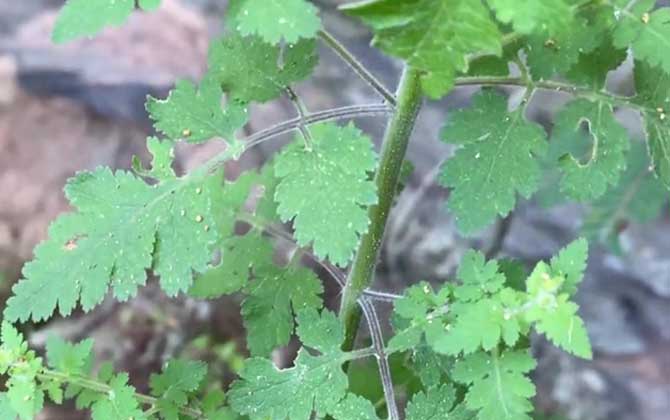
(357, 66)
(582, 92)
(396, 139)
(96, 386)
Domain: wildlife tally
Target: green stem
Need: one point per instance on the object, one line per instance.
(90, 384)
(357, 66)
(581, 92)
(396, 139)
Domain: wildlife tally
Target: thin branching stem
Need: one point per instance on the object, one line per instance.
(103, 388)
(357, 66)
(301, 109)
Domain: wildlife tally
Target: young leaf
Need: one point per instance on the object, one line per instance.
(589, 177)
(498, 159)
(315, 383)
(276, 20)
(646, 31)
(196, 114)
(68, 358)
(81, 18)
(478, 276)
(336, 170)
(173, 385)
(529, 16)
(272, 298)
(161, 164)
(435, 36)
(570, 263)
(482, 324)
(119, 403)
(250, 70)
(498, 387)
(123, 227)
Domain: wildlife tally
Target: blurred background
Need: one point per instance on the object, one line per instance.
(78, 106)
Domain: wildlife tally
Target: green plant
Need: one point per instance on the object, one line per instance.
(466, 343)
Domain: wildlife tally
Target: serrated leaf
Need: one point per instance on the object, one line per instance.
(238, 255)
(549, 55)
(250, 70)
(122, 227)
(354, 407)
(482, 324)
(437, 403)
(68, 358)
(25, 398)
(591, 69)
(272, 298)
(639, 197)
(570, 263)
(498, 387)
(529, 16)
(646, 32)
(420, 309)
(498, 159)
(315, 383)
(435, 36)
(479, 277)
(161, 164)
(82, 18)
(276, 20)
(175, 383)
(119, 403)
(335, 170)
(563, 327)
(652, 86)
(196, 114)
(588, 177)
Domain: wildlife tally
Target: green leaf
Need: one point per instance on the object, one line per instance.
(276, 20)
(435, 36)
(354, 407)
(85, 18)
(314, 383)
(529, 16)
(13, 346)
(68, 358)
(173, 385)
(646, 32)
(420, 310)
(591, 69)
(563, 327)
(161, 164)
(479, 277)
(570, 263)
(588, 177)
(335, 169)
(498, 159)
(122, 228)
(437, 403)
(119, 403)
(250, 70)
(272, 298)
(196, 113)
(652, 87)
(639, 197)
(23, 394)
(551, 54)
(482, 324)
(498, 387)
(6, 410)
(238, 255)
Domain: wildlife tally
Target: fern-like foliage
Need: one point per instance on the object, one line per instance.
(326, 195)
